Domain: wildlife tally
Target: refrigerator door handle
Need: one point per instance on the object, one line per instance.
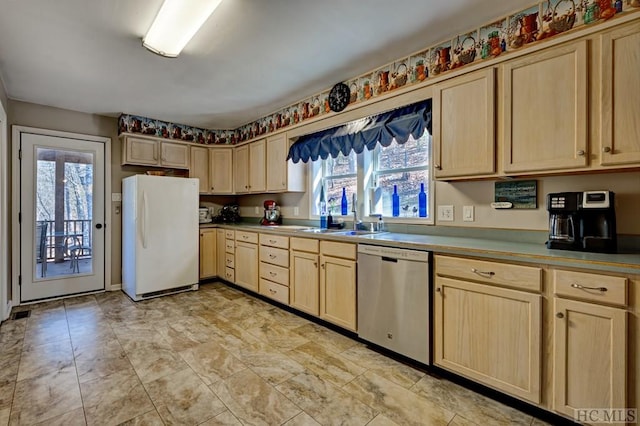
(144, 219)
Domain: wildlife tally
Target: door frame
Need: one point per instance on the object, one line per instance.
(15, 201)
(5, 303)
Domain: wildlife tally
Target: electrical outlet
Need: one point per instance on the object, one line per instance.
(256, 210)
(296, 211)
(445, 213)
(468, 213)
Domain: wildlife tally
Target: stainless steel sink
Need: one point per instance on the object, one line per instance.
(357, 232)
(321, 231)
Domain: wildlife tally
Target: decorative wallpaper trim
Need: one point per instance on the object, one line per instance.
(538, 22)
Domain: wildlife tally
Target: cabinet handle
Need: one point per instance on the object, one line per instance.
(212, 188)
(272, 291)
(560, 315)
(438, 289)
(484, 274)
(245, 237)
(322, 265)
(272, 256)
(606, 149)
(437, 166)
(580, 153)
(273, 274)
(315, 264)
(582, 287)
(272, 241)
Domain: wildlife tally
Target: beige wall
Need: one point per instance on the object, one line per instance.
(44, 117)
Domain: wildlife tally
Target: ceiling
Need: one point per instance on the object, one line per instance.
(251, 58)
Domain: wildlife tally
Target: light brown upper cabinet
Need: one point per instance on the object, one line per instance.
(619, 96)
(283, 175)
(220, 160)
(150, 152)
(249, 168)
(199, 167)
(545, 111)
(464, 125)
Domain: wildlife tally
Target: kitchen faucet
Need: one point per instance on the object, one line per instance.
(354, 209)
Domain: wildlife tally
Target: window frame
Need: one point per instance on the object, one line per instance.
(365, 175)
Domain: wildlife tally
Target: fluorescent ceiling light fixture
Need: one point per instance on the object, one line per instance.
(176, 23)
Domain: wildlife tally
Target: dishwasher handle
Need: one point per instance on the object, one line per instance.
(389, 259)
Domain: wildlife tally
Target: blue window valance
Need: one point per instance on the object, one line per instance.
(367, 132)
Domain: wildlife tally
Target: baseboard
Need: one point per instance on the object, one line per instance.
(114, 287)
(7, 312)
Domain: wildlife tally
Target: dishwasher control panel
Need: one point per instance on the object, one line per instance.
(407, 254)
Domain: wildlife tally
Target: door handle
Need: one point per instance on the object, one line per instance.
(98, 226)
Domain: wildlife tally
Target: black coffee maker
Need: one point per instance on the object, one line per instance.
(584, 221)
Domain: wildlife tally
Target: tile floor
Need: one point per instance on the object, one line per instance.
(212, 357)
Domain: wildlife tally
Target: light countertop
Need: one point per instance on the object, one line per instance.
(626, 263)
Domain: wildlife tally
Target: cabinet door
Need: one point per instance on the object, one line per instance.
(304, 282)
(246, 260)
(140, 151)
(199, 167)
(464, 125)
(620, 91)
(338, 291)
(175, 155)
(545, 111)
(241, 170)
(590, 347)
(220, 160)
(208, 260)
(220, 252)
(277, 163)
(257, 166)
(489, 334)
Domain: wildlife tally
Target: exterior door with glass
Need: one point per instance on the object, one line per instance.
(62, 212)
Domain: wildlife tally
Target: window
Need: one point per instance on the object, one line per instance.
(372, 175)
(405, 167)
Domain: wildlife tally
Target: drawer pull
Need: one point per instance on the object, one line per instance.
(560, 315)
(272, 241)
(582, 287)
(483, 273)
(245, 237)
(272, 256)
(273, 274)
(272, 291)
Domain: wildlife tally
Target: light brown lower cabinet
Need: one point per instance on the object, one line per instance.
(208, 248)
(305, 284)
(489, 334)
(338, 284)
(246, 265)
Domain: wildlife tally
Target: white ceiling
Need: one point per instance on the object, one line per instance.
(251, 58)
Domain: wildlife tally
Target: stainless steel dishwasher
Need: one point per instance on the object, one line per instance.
(393, 299)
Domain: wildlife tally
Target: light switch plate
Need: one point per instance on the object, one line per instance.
(256, 210)
(116, 196)
(468, 213)
(296, 211)
(445, 213)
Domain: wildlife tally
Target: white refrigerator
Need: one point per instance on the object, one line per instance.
(159, 235)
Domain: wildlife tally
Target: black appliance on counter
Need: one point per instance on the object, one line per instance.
(229, 213)
(583, 221)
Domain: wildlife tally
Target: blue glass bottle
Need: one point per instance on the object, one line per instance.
(395, 202)
(323, 209)
(422, 202)
(344, 204)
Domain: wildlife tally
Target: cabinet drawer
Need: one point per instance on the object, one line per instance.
(229, 234)
(517, 276)
(344, 250)
(230, 274)
(247, 237)
(588, 286)
(229, 246)
(305, 244)
(274, 241)
(275, 291)
(274, 256)
(229, 260)
(274, 273)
